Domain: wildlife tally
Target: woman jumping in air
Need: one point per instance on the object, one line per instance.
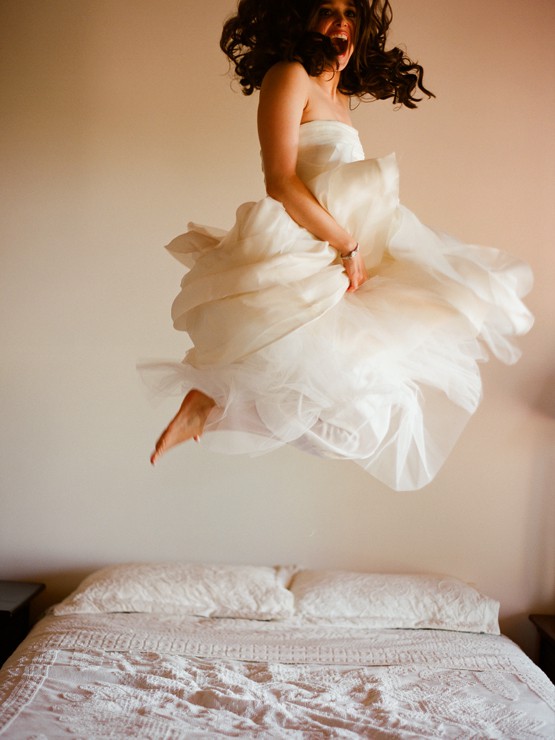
(329, 317)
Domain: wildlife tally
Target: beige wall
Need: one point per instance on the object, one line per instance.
(118, 126)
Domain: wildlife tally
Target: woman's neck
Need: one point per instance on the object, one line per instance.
(328, 82)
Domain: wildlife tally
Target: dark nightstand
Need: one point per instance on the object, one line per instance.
(15, 598)
(545, 624)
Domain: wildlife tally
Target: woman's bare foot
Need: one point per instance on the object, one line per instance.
(188, 423)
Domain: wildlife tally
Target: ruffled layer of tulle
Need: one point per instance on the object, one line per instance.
(386, 376)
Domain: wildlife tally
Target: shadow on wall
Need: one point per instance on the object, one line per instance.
(544, 482)
(540, 554)
(545, 402)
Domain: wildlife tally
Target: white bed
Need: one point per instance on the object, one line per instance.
(191, 651)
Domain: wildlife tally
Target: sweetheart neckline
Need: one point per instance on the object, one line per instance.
(330, 120)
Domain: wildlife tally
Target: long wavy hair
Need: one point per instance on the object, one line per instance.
(264, 32)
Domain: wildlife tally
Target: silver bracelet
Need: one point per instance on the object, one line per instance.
(351, 254)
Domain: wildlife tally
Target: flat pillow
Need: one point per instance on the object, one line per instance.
(240, 591)
(394, 601)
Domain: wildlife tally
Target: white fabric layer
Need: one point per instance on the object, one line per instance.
(168, 677)
(386, 376)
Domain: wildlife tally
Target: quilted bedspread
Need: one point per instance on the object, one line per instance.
(119, 675)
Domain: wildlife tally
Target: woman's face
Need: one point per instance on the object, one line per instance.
(337, 19)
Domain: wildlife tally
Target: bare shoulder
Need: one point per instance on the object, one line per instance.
(283, 99)
(286, 74)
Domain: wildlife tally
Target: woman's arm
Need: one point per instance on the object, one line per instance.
(283, 97)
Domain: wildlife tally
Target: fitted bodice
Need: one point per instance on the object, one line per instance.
(323, 145)
(361, 194)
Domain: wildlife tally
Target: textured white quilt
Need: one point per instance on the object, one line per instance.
(119, 675)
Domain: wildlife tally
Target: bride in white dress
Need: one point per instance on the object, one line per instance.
(329, 317)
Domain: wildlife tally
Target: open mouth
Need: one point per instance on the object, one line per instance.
(340, 44)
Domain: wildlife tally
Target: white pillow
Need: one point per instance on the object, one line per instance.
(240, 591)
(394, 601)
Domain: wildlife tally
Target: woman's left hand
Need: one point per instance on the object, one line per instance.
(355, 271)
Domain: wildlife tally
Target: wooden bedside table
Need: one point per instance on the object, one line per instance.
(15, 598)
(545, 624)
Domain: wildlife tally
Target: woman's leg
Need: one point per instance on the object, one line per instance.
(188, 423)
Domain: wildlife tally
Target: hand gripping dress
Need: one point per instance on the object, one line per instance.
(386, 376)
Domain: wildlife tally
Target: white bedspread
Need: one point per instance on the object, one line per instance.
(119, 675)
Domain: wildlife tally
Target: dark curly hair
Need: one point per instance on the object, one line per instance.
(264, 32)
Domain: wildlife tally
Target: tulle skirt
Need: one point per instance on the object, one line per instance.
(386, 377)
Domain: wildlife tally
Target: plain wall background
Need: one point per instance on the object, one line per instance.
(120, 124)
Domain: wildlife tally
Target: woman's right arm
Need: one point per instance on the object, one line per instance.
(283, 98)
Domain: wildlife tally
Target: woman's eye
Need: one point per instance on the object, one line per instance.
(327, 12)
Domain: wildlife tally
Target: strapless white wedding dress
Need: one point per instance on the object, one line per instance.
(386, 376)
